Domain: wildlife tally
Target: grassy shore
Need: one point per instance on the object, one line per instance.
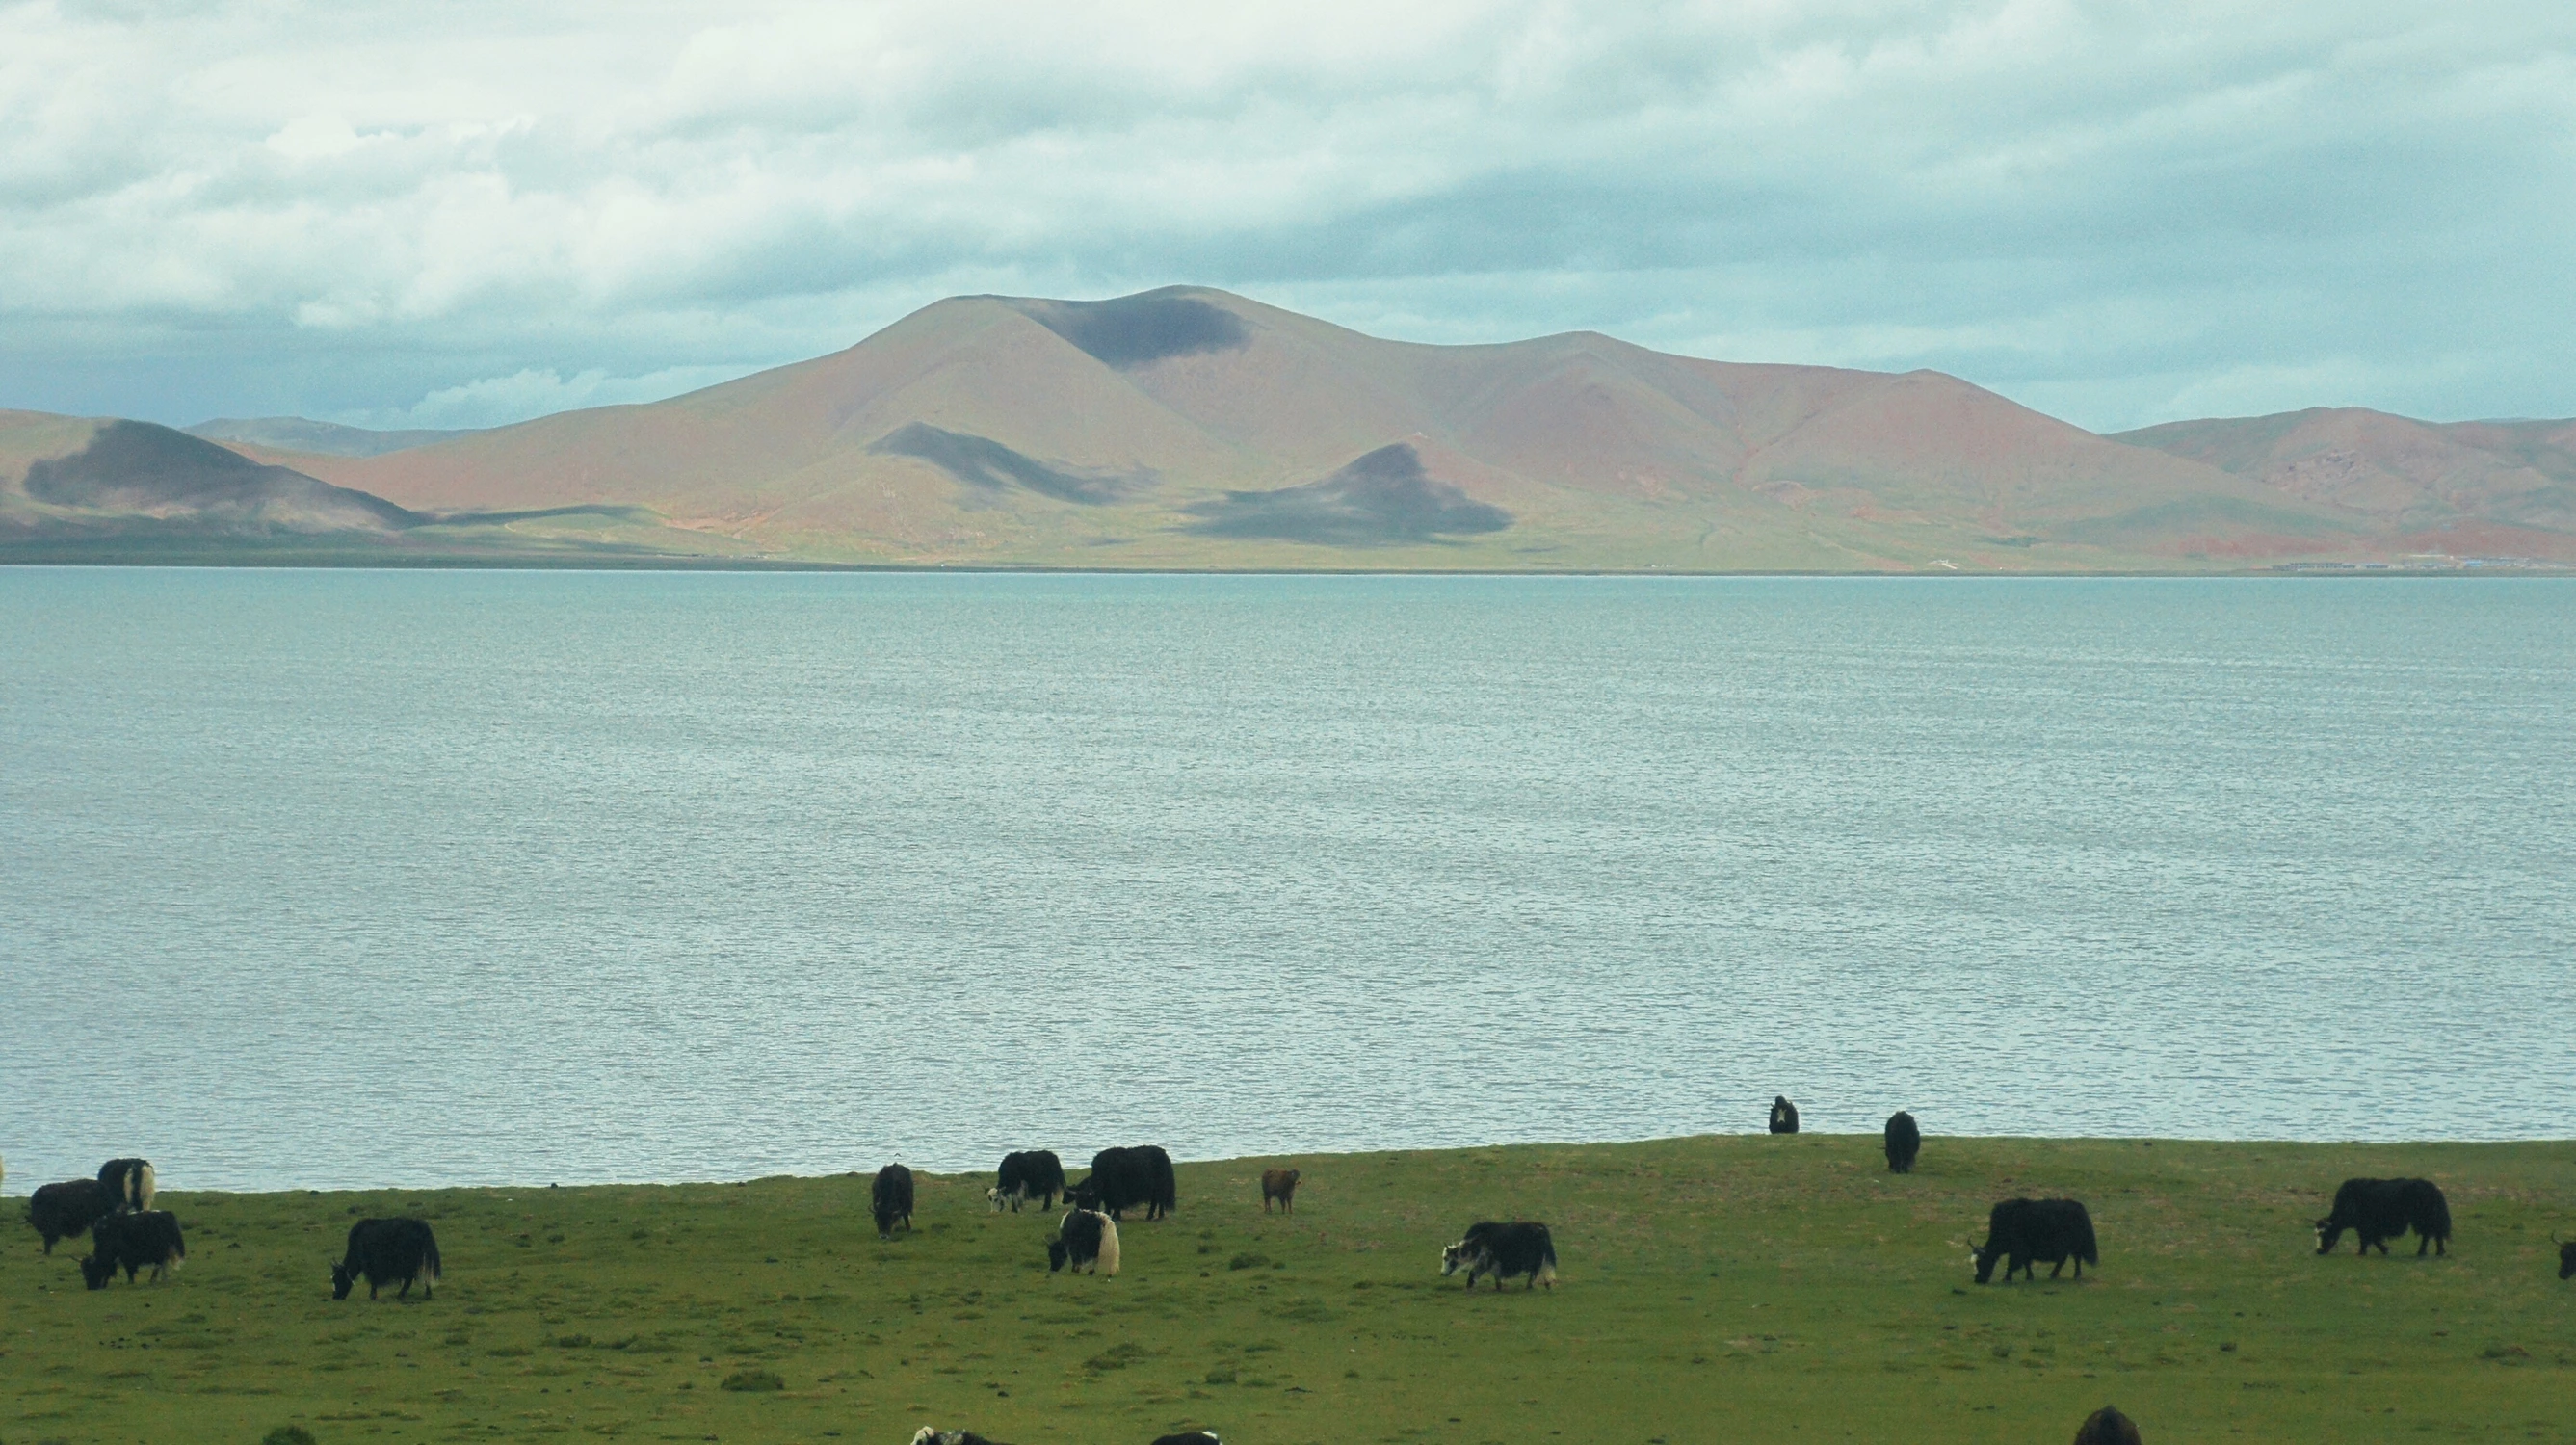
(1713, 1289)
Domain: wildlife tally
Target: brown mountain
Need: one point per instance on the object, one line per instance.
(2460, 487)
(1190, 428)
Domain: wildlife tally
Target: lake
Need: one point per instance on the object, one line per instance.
(328, 878)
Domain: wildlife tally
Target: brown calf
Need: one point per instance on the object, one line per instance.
(1279, 1184)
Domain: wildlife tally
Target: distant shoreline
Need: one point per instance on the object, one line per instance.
(1078, 1161)
(272, 563)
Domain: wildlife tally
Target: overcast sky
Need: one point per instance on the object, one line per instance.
(461, 214)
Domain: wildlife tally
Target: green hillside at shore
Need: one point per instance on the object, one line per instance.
(1713, 1289)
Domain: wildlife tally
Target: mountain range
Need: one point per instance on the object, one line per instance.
(1190, 428)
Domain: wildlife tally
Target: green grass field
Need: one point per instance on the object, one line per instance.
(1713, 1289)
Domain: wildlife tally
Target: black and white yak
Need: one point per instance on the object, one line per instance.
(1784, 1115)
(129, 1183)
(1505, 1251)
(1904, 1141)
(933, 1435)
(1123, 1179)
(890, 1199)
(1086, 1240)
(388, 1251)
(145, 1239)
(2025, 1233)
(1034, 1174)
(68, 1209)
(2379, 1210)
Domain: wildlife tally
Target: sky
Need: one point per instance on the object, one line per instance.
(470, 213)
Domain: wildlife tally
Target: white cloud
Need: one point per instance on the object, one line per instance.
(500, 400)
(335, 208)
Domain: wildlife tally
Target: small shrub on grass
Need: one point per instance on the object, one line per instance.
(1116, 1357)
(1247, 1261)
(753, 1380)
(287, 1435)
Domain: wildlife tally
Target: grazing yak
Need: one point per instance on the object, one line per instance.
(2107, 1426)
(129, 1183)
(890, 1199)
(1035, 1174)
(1087, 1239)
(1904, 1141)
(2026, 1232)
(1279, 1184)
(145, 1239)
(388, 1251)
(67, 1210)
(1122, 1179)
(1505, 1251)
(931, 1435)
(1784, 1115)
(2379, 1210)
(1190, 1437)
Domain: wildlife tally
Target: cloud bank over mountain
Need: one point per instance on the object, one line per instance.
(469, 214)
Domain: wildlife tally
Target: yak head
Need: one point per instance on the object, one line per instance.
(1057, 1254)
(1453, 1258)
(1983, 1257)
(994, 1194)
(341, 1278)
(2567, 1259)
(97, 1270)
(2327, 1233)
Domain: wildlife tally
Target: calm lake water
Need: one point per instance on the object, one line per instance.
(330, 878)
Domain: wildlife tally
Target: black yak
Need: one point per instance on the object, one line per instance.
(2379, 1210)
(1086, 1239)
(1033, 1174)
(2026, 1232)
(145, 1239)
(67, 1210)
(1505, 1251)
(1122, 1179)
(890, 1199)
(2566, 1258)
(2107, 1426)
(1904, 1141)
(388, 1251)
(1784, 1115)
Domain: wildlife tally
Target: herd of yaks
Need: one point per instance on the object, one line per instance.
(129, 1235)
